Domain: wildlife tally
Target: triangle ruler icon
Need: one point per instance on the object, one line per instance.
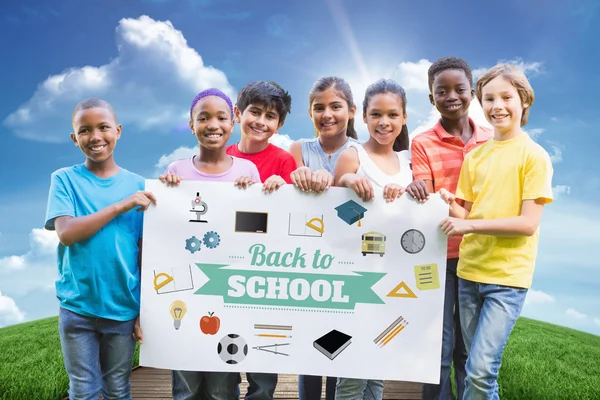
(402, 290)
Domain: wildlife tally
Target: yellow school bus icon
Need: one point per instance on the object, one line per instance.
(373, 243)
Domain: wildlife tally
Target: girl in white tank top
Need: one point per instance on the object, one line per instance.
(382, 162)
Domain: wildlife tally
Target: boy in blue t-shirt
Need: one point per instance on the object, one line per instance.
(91, 207)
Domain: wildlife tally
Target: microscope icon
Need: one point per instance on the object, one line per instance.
(199, 207)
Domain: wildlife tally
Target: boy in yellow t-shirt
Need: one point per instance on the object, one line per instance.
(505, 184)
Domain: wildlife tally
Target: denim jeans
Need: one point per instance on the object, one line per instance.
(358, 389)
(488, 314)
(98, 356)
(453, 346)
(261, 386)
(310, 387)
(194, 385)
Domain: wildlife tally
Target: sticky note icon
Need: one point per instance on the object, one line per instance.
(427, 276)
(351, 212)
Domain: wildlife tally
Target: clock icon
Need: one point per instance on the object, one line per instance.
(412, 241)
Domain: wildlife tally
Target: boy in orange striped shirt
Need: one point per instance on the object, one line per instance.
(437, 157)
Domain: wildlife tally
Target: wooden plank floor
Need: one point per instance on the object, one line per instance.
(155, 384)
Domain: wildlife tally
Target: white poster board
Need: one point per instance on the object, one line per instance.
(292, 282)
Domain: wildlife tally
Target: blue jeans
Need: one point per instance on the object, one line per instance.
(98, 356)
(488, 314)
(453, 346)
(310, 386)
(358, 389)
(261, 386)
(194, 385)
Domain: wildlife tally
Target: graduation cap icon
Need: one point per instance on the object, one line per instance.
(351, 212)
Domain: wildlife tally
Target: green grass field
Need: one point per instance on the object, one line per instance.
(541, 361)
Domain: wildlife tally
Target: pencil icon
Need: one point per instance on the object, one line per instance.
(273, 327)
(269, 335)
(390, 332)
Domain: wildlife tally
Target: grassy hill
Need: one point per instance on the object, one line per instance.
(542, 361)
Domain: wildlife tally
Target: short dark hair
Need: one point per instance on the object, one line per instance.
(389, 86)
(93, 102)
(447, 63)
(268, 94)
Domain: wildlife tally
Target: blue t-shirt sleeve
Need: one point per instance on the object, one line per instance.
(60, 200)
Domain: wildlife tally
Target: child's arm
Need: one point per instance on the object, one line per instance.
(537, 191)
(422, 184)
(71, 230)
(345, 175)
(525, 224)
(296, 150)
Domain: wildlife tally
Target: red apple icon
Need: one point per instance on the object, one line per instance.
(209, 325)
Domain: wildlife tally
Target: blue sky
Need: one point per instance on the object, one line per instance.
(150, 57)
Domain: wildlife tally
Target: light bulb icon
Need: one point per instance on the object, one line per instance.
(177, 310)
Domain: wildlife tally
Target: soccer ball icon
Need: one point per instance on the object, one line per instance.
(232, 349)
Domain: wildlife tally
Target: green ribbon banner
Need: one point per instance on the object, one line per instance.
(290, 289)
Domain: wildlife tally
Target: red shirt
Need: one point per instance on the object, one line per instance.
(438, 156)
(271, 161)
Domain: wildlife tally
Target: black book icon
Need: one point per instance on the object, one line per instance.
(333, 343)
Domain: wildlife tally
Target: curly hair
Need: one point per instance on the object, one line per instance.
(448, 63)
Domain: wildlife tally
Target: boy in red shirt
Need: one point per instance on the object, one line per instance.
(261, 110)
(437, 157)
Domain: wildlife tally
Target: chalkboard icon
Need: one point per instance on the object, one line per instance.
(332, 343)
(351, 212)
(251, 222)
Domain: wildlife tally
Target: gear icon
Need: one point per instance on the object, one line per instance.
(192, 244)
(211, 239)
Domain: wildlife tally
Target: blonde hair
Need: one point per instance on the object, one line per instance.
(516, 77)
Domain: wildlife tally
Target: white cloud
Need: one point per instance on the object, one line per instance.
(537, 297)
(597, 321)
(556, 155)
(150, 84)
(34, 270)
(281, 140)
(560, 190)
(571, 312)
(535, 133)
(177, 154)
(9, 312)
(529, 68)
(413, 76)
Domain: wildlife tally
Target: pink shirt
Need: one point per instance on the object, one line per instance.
(240, 167)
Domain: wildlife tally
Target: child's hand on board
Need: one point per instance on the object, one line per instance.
(273, 183)
(243, 182)
(448, 197)
(137, 331)
(361, 185)
(308, 181)
(321, 180)
(456, 226)
(392, 191)
(141, 199)
(171, 179)
(418, 190)
(301, 178)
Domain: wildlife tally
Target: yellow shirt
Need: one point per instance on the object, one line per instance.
(496, 178)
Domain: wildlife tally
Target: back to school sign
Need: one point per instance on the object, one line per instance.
(291, 282)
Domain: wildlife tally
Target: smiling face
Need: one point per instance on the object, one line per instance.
(330, 113)
(95, 132)
(257, 122)
(451, 94)
(384, 117)
(502, 105)
(212, 122)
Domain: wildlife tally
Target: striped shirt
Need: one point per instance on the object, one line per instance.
(438, 156)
